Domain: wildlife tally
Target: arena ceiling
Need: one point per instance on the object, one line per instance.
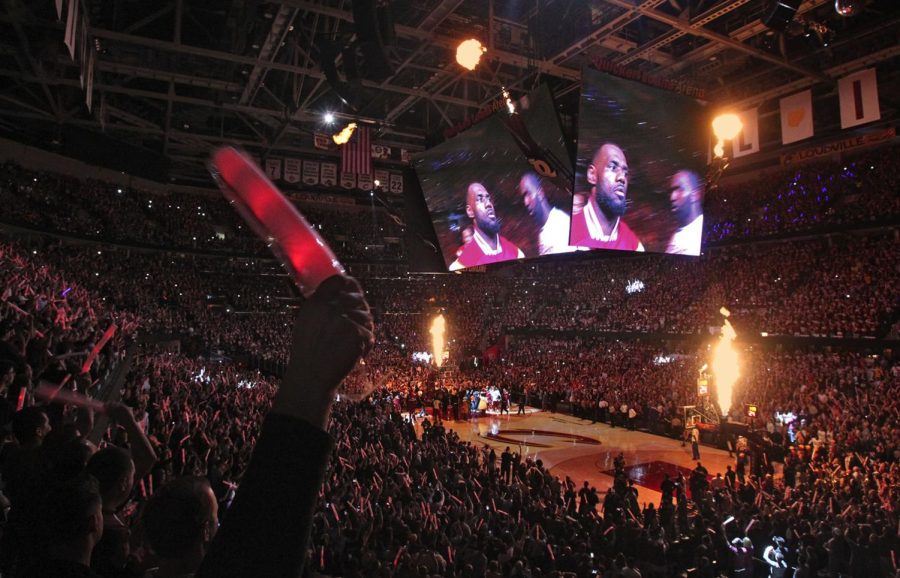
(179, 77)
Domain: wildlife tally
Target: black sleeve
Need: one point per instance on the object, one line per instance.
(267, 527)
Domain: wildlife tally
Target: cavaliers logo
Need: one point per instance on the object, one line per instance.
(519, 437)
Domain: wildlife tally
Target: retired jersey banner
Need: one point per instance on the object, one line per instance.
(348, 180)
(329, 174)
(747, 142)
(796, 117)
(382, 177)
(364, 182)
(396, 183)
(404, 156)
(292, 170)
(310, 172)
(273, 169)
(859, 98)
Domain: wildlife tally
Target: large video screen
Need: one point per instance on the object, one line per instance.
(501, 190)
(640, 170)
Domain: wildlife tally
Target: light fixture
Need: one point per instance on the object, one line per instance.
(329, 117)
(847, 8)
(469, 52)
(345, 134)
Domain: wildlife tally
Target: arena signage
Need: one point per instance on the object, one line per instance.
(839, 146)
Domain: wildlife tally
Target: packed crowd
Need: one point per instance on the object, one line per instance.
(409, 500)
(824, 195)
(120, 214)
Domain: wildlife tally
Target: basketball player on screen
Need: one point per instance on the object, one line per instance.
(553, 223)
(487, 245)
(599, 225)
(687, 206)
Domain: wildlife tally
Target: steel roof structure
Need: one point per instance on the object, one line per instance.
(181, 76)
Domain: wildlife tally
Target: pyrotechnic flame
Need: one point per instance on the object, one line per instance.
(437, 339)
(469, 52)
(345, 134)
(725, 365)
(725, 127)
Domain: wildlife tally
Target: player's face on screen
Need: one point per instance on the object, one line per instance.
(609, 174)
(681, 195)
(480, 208)
(530, 192)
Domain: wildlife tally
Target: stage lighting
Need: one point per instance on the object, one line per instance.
(469, 52)
(847, 8)
(329, 118)
(345, 134)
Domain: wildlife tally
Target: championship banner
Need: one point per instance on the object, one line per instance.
(273, 169)
(747, 142)
(323, 141)
(396, 183)
(310, 172)
(382, 177)
(292, 170)
(859, 98)
(364, 182)
(381, 152)
(843, 145)
(348, 180)
(796, 117)
(329, 174)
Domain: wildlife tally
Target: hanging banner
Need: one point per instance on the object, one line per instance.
(364, 182)
(348, 180)
(83, 49)
(747, 142)
(382, 177)
(273, 169)
(310, 172)
(859, 98)
(71, 27)
(323, 141)
(381, 152)
(89, 94)
(404, 156)
(292, 170)
(59, 7)
(840, 146)
(329, 174)
(796, 117)
(396, 183)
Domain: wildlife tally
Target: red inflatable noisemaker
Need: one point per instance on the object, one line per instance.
(275, 219)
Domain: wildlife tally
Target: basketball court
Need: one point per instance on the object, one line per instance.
(577, 448)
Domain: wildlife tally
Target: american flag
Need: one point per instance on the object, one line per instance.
(356, 154)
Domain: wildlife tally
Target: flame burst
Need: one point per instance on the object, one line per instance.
(437, 339)
(725, 364)
(344, 136)
(469, 52)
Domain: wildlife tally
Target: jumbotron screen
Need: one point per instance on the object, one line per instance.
(641, 166)
(501, 190)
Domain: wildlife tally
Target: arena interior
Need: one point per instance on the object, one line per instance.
(180, 393)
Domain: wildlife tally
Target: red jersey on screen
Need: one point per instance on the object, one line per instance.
(472, 254)
(622, 237)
